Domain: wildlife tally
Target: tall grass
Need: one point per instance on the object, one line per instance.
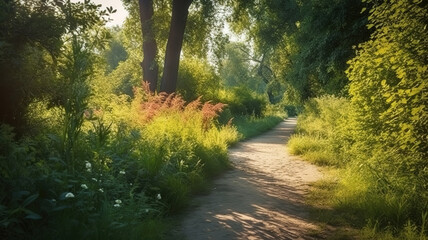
(133, 163)
(372, 189)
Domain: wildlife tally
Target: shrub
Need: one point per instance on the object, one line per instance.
(242, 101)
(376, 183)
(197, 79)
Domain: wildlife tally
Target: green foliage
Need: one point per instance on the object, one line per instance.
(250, 126)
(243, 101)
(326, 33)
(75, 72)
(308, 43)
(236, 70)
(388, 82)
(116, 52)
(34, 34)
(266, 21)
(126, 174)
(375, 183)
(196, 78)
(325, 130)
(388, 87)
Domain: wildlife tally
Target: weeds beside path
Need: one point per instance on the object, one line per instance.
(261, 198)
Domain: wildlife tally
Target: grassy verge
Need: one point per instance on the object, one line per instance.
(368, 191)
(249, 126)
(340, 205)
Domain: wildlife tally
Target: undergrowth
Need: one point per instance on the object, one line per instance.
(370, 187)
(122, 172)
(250, 126)
(117, 167)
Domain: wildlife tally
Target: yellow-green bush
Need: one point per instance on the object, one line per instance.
(388, 89)
(243, 101)
(196, 78)
(375, 182)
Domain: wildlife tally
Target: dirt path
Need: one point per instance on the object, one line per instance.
(261, 198)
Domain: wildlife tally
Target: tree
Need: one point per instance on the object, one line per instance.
(325, 38)
(180, 11)
(116, 52)
(149, 64)
(241, 68)
(191, 27)
(30, 34)
(315, 39)
(33, 35)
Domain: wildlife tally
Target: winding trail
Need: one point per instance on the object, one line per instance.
(261, 198)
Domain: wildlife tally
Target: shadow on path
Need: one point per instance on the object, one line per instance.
(261, 198)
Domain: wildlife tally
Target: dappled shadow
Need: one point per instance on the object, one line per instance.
(261, 198)
(266, 209)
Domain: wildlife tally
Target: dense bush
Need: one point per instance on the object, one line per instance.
(243, 101)
(382, 136)
(389, 89)
(374, 183)
(127, 164)
(196, 78)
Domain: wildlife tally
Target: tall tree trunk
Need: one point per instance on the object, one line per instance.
(149, 64)
(180, 11)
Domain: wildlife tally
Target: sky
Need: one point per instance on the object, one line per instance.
(118, 17)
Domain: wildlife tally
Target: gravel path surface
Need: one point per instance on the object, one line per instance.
(261, 198)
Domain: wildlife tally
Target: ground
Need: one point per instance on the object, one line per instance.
(261, 198)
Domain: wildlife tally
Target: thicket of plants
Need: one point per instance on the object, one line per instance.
(378, 136)
(110, 167)
(92, 154)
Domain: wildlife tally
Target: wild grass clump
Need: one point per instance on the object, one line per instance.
(188, 144)
(323, 131)
(378, 187)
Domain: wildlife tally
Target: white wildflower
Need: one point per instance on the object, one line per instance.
(122, 172)
(147, 210)
(88, 165)
(69, 195)
(116, 205)
(84, 186)
(101, 190)
(118, 201)
(159, 197)
(94, 179)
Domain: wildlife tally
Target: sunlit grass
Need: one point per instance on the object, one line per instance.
(249, 126)
(362, 196)
(313, 149)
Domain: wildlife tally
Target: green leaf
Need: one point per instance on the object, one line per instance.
(30, 199)
(33, 216)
